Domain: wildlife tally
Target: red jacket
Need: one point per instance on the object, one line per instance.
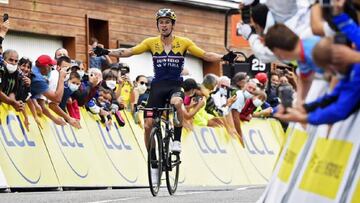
(247, 111)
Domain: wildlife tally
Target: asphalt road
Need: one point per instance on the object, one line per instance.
(184, 194)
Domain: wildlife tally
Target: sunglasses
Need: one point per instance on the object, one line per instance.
(223, 86)
(142, 83)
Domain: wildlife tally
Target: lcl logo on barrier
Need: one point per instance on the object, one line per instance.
(67, 146)
(64, 139)
(254, 148)
(14, 141)
(113, 145)
(205, 146)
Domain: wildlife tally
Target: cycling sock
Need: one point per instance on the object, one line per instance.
(153, 157)
(177, 133)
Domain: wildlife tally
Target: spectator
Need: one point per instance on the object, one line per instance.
(40, 85)
(141, 85)
(99, 62)
(63, 63)
(236, 108)
(293, 48)
(125, 86)
(9, 79)
(263, 79)
(239, 80)
(101, 105)
(272, 96)
(252, 104)
(60, 52)
(70, 86)
(345, 96)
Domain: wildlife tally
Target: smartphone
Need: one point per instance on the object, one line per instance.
(5, 17)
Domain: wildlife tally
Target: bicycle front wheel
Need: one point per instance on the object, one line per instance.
(154, 163)
(172, 168)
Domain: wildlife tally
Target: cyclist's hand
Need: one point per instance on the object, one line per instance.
(229, 57)
(101, 51)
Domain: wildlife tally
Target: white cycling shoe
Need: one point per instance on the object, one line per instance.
(154, 175)
(176, 146)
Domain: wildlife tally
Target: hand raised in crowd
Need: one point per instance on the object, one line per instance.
(291, 114)
(4, 27)
(27, 81)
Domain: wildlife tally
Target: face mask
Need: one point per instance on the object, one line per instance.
(257, 102)
(142, 88)
(67, 77)
(81, 73)
(102, 104)
(187, 100)
(223, 91)
(247, 95)
(73, 87)
(11, 68)
(111, 84)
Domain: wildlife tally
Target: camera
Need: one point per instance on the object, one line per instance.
(197, 98)
(5, 17)
(246, 14)
(326, 3)
(340, 38)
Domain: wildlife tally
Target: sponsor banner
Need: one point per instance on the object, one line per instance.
(119, 150)
(23, 156)
(208, 158)
(326, 169)
(261, 146)
(72, 152)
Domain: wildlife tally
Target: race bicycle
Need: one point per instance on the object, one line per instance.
(161, 138)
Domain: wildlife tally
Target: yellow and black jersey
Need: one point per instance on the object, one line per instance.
(168, 66)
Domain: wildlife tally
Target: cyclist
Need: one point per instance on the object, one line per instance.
(168, 52)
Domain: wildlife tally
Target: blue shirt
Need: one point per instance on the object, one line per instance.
(39, 85)
(348, 27)
(346, 99)
(66, 96)
(307, 65)
(97, 62)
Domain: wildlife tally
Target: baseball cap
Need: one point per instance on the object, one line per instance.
(45, 60)
(262, 78)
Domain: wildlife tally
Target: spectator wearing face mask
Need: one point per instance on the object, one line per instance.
(70, 87)
(63, 62)
(252, 104)
(237, 106)
(10, 79)
(141, 85)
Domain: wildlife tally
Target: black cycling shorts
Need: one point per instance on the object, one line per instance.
(161, 93)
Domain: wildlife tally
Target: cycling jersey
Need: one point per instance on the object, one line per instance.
(168, 66)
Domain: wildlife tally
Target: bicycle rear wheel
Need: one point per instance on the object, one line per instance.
(154, 163)
(172, 168)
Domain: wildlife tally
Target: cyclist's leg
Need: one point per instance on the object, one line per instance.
(177, 99)
(148, 124)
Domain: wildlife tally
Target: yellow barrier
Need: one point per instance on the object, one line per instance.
(23, 156)
(98, 156)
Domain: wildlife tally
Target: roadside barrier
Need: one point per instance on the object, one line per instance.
(96, 156)
(318, 164)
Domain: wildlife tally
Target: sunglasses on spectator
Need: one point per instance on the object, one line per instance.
(223, 86)
(142, 83)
